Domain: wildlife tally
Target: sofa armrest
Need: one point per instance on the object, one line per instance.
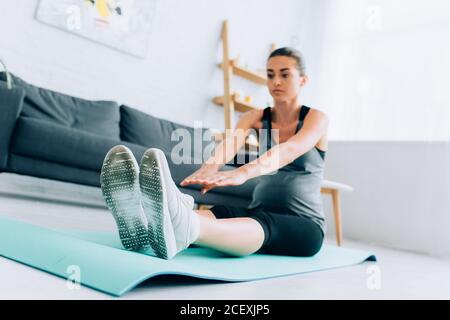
(11, 101)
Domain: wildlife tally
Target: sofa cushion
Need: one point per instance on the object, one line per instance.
(55, 171)
(51, 170)
(98, 117)
(55, 143)
(11, 101)
(147, 130)
(48, 142)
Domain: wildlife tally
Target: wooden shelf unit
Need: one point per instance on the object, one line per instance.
(239, 105)
(229, 101)
(246, 73)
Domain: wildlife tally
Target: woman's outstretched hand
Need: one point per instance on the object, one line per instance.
(211, 178)
(204, 173)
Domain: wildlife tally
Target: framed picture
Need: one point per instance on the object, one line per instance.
(120, 24)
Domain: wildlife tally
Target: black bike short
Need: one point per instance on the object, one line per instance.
(284, 233)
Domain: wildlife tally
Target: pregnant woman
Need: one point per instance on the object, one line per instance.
(285, 216)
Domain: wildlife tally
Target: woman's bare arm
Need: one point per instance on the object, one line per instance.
(224, 151)
(227, 149)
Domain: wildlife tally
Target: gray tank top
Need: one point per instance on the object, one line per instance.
(294, 188)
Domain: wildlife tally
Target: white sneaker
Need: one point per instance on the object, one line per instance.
(172, 223)
(120, 189)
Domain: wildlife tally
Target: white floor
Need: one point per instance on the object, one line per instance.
(396, 275)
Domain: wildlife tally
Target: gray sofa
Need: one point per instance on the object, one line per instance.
(55, 136)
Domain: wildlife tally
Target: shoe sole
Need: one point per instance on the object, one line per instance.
(120, 190)
(154, 201)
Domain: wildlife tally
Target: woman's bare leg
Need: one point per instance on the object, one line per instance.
(235, 236)
(206, 213)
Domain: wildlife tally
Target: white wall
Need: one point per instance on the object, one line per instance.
(384, 71)
(401, 195)
(179, 77)
(382, 81)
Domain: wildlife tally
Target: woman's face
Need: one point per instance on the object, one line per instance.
(284, 80)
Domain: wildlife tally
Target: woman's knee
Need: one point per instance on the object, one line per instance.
(312, 250)
(304, 247)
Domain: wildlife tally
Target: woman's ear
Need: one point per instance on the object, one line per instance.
(304, 80)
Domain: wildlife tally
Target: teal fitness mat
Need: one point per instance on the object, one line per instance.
(105, 266)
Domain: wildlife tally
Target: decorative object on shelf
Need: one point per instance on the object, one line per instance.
(123, 25)
(248, 99)
(238, 95)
